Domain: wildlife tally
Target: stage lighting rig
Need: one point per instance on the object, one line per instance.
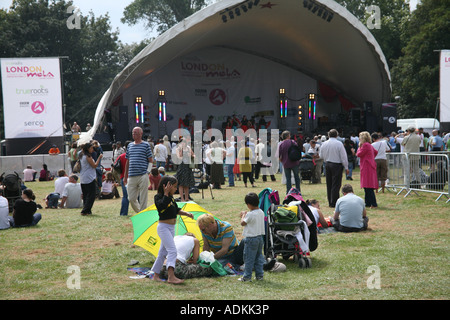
(283, 103)
(139, 108)
(312, 106)
(318, 9)
(162, 112)
(300, 117)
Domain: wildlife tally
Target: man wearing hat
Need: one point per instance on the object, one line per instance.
(411, 143)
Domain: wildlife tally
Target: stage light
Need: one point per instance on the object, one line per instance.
(162, 112)
(139, 106)
(283, 104)
(312, 106)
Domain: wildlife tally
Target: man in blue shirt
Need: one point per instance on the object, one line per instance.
(350, 212)
(138, 155)
(437, 144)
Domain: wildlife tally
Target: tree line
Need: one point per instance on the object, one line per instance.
(38, 28)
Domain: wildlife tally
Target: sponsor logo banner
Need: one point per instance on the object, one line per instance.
(31, 97)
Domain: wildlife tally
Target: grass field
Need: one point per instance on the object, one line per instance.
(407, 243)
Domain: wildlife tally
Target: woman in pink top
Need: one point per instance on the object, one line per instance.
(369, 180)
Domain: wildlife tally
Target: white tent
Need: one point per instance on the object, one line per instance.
(318, 39)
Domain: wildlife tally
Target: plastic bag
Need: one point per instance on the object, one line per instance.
(206, 259)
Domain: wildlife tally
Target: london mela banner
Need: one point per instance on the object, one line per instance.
(445, 86)
(32, 102)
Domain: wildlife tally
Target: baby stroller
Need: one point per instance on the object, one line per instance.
(202, 182)
(306, 168)
(291, 231)
(11, 188)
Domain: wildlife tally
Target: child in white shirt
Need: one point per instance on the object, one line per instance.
(254, 230)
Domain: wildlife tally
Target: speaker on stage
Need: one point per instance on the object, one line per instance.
(389, 116)
(355, 117)
(122, 128)
(368, 107)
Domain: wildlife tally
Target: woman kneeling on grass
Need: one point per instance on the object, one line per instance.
(168, 211)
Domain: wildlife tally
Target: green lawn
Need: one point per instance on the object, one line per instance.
(407, 242)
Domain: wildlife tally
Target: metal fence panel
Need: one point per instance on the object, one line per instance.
(419, 172)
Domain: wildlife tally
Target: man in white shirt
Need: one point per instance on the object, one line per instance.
(72, 195)
(333, 154)
(229, 162)
(259, 157)
(382, 147)
(29, 174)
(160, 152)
(52, 199)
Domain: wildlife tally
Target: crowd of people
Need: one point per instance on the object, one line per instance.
(139, 166)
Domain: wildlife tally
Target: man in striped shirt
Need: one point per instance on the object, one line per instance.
(138, 155)
(219, 238)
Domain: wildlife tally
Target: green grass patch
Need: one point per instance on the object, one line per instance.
(407, 241)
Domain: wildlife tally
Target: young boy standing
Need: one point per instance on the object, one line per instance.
(254, 230)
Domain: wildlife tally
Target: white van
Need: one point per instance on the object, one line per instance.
(428, 124)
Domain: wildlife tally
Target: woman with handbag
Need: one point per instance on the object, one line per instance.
(369, 179)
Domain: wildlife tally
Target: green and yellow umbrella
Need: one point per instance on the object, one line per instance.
(146, 222)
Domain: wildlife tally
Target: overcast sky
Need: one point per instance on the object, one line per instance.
(115, 9)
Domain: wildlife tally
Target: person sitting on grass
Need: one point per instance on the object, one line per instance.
(72, 195)
(155, 178)
(24, 212)
(350, 212)
(109, 187)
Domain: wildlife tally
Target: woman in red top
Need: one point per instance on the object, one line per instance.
(369, 181)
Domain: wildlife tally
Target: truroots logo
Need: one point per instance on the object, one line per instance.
(34, 92)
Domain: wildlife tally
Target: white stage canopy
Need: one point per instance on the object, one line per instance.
(319, 39)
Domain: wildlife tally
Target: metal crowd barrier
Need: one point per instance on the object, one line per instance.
(419, 172)
(17, 164)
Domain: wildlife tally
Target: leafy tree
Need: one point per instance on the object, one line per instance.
(415, 75)
(394, 14)
(162, 14)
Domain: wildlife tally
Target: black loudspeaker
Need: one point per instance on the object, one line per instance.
(122, 128)
(389, 116)
(355, 117)
(368, 107)
(371, 122)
